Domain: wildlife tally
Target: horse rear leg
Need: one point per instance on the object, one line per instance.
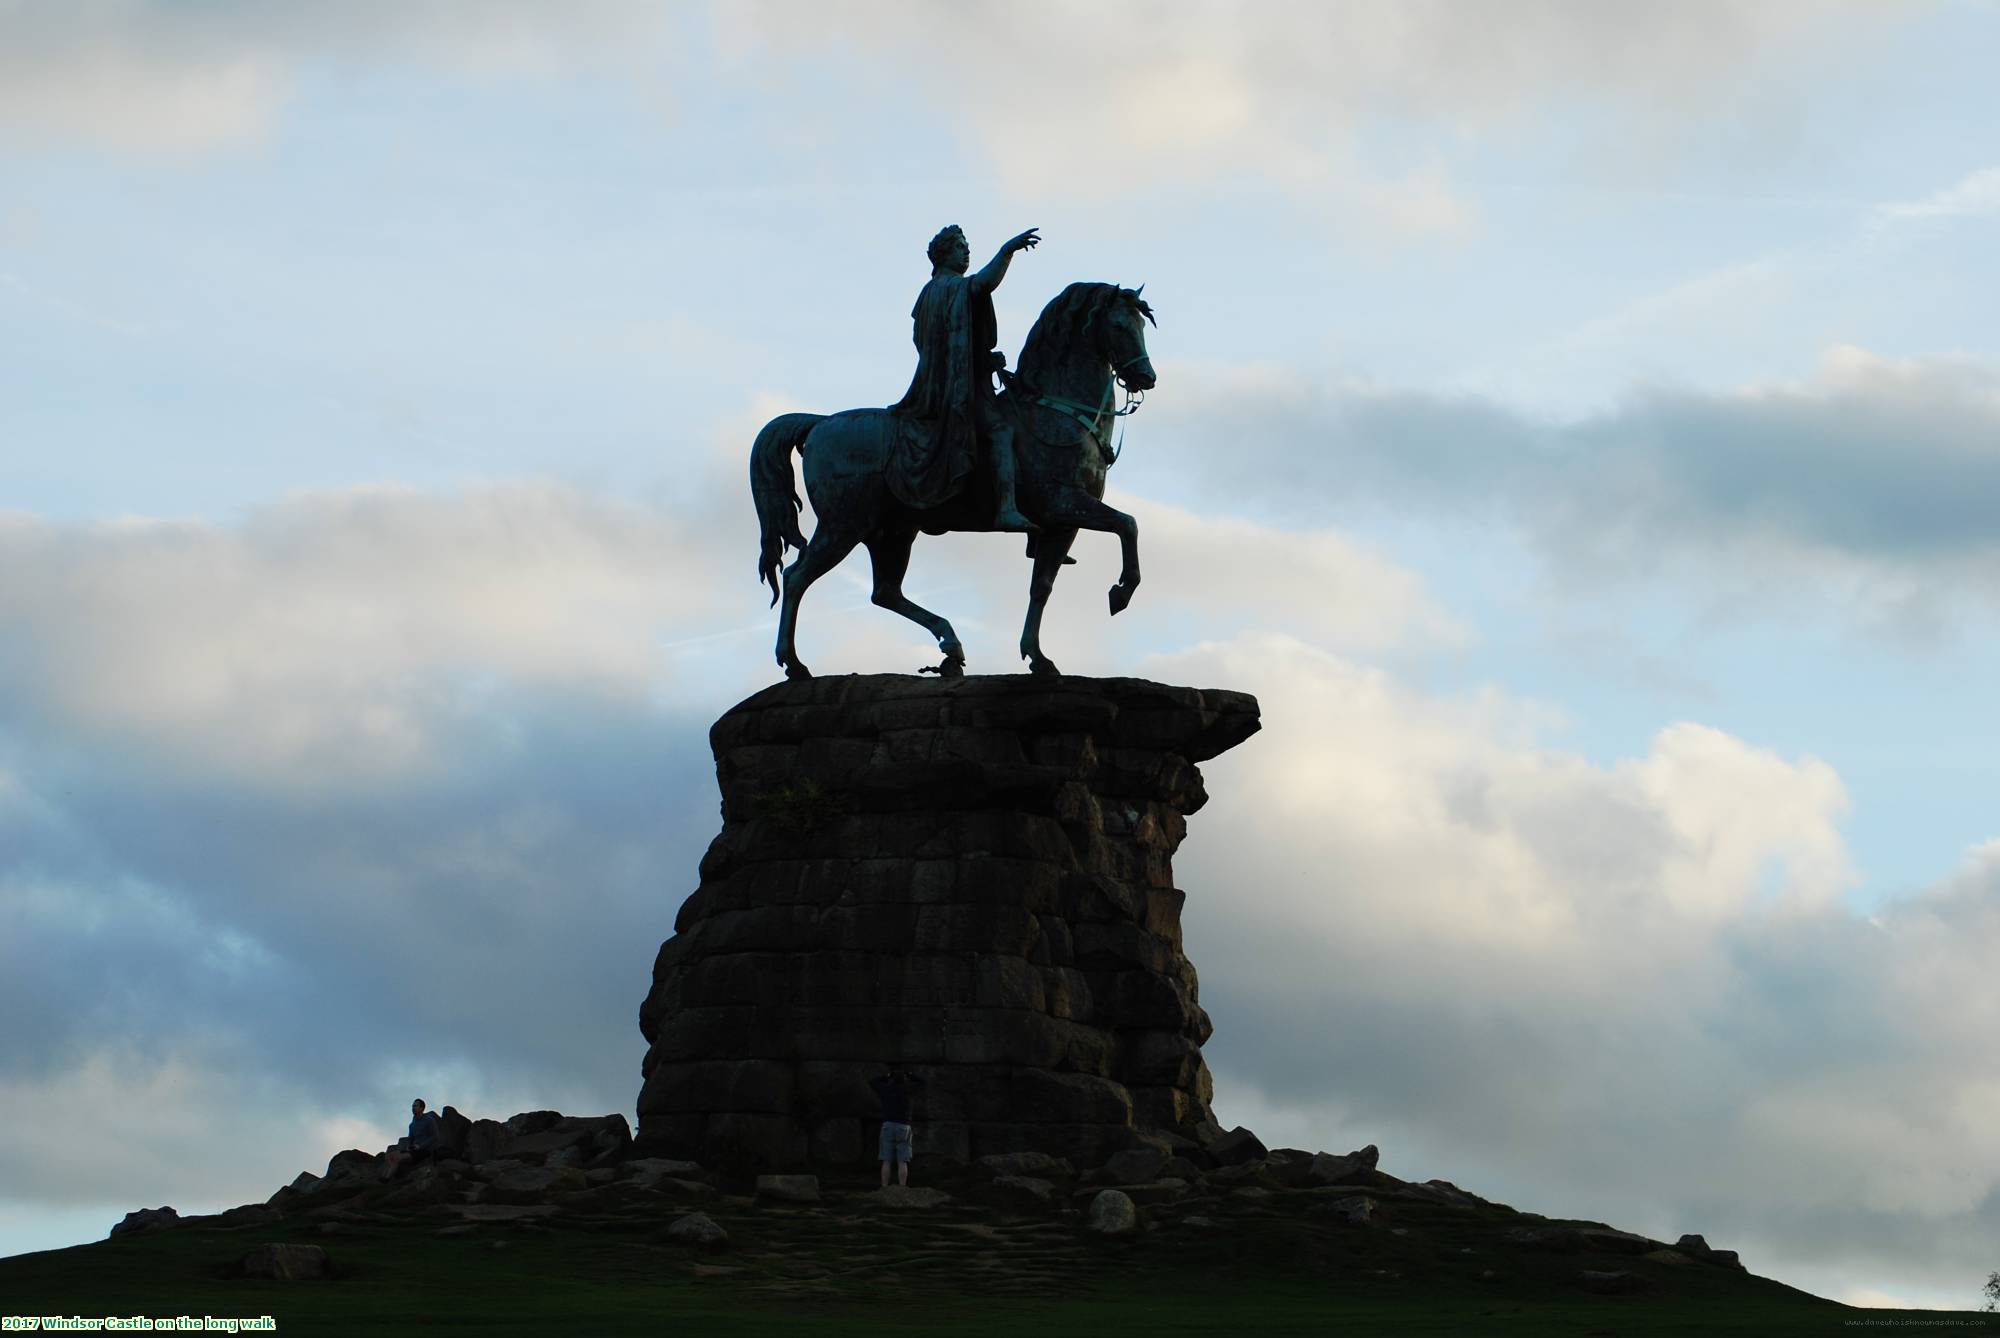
(820, 556)
(1051, 551)
(890, 553)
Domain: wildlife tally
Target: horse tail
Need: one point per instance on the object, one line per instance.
(772, 486)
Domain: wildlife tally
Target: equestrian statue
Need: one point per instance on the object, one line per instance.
(952, 455)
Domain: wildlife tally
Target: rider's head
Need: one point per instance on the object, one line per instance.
(948, 250)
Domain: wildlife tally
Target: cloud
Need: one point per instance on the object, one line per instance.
(1191, 92)
(340, 637)
(1630, 991)
(1874, 481)
(161, 77)
(1973, 196)
(1716, 327)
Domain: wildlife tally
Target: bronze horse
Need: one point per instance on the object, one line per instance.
(1060, 402)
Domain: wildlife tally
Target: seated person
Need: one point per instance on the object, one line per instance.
(423, 1142)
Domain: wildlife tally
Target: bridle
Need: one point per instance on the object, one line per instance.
(1095, 419)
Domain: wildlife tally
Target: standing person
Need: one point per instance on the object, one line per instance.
(954, 329)
(897, 1090)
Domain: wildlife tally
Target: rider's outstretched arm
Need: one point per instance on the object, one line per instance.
(996, 269)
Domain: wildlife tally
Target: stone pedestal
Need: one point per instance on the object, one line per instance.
(969, 878)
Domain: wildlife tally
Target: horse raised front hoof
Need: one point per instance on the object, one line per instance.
(1121, 595)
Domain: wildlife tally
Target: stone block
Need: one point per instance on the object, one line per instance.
(838, 1142)
(748, 1085)
(732, 1140)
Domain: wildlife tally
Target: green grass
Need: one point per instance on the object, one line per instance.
(969, 1268)
(404, 1279)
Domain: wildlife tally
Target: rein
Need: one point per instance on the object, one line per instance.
(1093, 418)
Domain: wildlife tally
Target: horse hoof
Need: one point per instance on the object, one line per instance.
(1044, 668)
(795, 670)
(1121, 595)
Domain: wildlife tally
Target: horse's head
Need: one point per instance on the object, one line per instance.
(1120, 324)
(1085, 324)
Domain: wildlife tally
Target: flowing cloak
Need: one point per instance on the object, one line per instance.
(954, 330)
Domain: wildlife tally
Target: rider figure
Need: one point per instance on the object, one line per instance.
(954, 329)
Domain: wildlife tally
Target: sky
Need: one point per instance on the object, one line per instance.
(1579, 425)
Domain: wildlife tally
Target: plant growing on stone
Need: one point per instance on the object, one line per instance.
(801, 807)
(1992, 1290)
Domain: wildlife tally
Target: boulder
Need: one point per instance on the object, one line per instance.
(284, 1263)
(304, 1183)
(353, 1164)
(1242, 1173)
(1130, 1167)
(1112, 1213)
(141, 1220)
(1698, 1247)
(683, 1189)
(1156, 1191)
(530, 1122)
(789, 1188)
(1604, 1240)
(574, 1139)
(906, 1196)
(457, 1133)
(487, 1140)
(1024, 1192)
(527, 1184)
(1355, 1209)
(1323, 1168)
(647, 1172)
(1028, 1164)
(698, 1230)
(1237, 1146)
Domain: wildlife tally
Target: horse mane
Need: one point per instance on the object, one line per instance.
(1065, 321)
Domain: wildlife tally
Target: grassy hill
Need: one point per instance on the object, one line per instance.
(583, 1257)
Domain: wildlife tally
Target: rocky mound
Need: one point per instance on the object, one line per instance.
(970, 878)
(1003, 1223)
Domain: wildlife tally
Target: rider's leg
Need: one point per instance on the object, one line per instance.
(1000, 451)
